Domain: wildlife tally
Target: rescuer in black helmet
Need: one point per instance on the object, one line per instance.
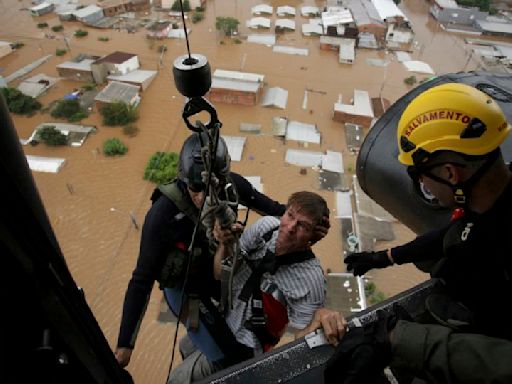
(163, 257)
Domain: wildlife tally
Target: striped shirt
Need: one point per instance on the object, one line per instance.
(301, 284)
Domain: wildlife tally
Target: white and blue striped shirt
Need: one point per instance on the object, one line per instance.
(302, 284)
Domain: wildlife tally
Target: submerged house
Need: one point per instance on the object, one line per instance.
(118, 92)
(116, 63)
(234, 87)
(41, 9)
(5, 48)
(77, 70)
(360, 112)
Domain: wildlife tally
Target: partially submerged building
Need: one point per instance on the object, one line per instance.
(359, 112)
(347, 54)
(399, 33)
(118, 92)
(275, 97)
(116, 63)
(258, 23)
(89, 15)
(116, 7)
(449, 12)
(75, 133)
(367, 20)
(262, 9)
(494, 28)
(158, 30)
(308, 11)
(285, 11)
(41, 9)
(234, 87)
(37, 85)
(140, 78)
(77, 70)
(285, 25)
(5, 48)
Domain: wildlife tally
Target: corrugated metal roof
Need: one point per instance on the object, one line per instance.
(332, 161)
(262, 39)
(303, 158)
(362, 105)
(279, 125)
(236, 75)
(116, 91)
(347, 50)
(285, 10)
(363, 12)
(387, 8)
(495, 27)
(336, 16)
(89, 10)
(302, 132)
(312, 29)
(41, 7)
(285, 24)
(45, 164)
(290, 50)
(418, 66)
(235, 85)
(235, 146)
(258, 22)
(84, 65)
(117, 57)
(137, 76)
(250, 127)
(275, 97)
(262, 8)
(343, 204)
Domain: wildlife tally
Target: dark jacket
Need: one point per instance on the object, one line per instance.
(164, 227)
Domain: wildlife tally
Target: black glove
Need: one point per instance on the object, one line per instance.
(364, 352)
(361, 262)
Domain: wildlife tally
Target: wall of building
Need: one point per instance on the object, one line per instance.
(379, 31)
(74, 74)
(342, 117)
(92, 18)
(232, 97)
(128, 66)
(114, 10)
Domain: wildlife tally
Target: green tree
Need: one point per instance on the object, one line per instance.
(119, 113)
(57, 28)
(162, 167)
(228, 25)
(52, 136)
(114, 147)
(19, 103)
(42, 25)
(411, 80)
(176, 7)
(373, 295)
(197, 16)
(69, 110)
(60, 52)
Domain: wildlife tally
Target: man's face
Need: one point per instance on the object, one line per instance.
(197, 196)
(296, 229)
(442, 192)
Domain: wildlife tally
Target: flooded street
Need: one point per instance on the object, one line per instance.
(89, 202)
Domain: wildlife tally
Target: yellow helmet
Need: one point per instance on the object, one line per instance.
(450, 117)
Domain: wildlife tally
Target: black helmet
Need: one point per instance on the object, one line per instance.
(191, 164)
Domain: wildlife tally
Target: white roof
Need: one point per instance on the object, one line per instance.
(275, 97)
(387, 8)
(136, 76)
(236, 75)
(447, 3)
(258, 22)
(235, 85)
(290, 50)
(279, 126)
(305, 11)
(41, 6)
(32, 86)
(347, 49)
(285, 10)
(343, 205)
(116, 91)
(4, 43)
(495, 27)
(235, 146)
(89, 10)
(362, 105)
(84, 65)
(312, 29)
(332, 161)
(285, 24)
(45, 164)
(336, 17)
(302, 132)
(402, 56)
(177, 33)
(262, 8)
(303, 158)
(268, 39)
(418, 66)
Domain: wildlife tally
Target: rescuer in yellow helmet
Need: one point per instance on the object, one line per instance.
(449, 138)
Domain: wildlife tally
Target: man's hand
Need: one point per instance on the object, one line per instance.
(123, 356)
(361, 262)
(321, 230)
(226, 236)
(332, 322)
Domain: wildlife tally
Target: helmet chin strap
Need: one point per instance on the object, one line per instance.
(462, 191)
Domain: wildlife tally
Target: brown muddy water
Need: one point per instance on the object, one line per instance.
(99, 243)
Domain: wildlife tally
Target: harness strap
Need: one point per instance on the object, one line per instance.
(180, 199)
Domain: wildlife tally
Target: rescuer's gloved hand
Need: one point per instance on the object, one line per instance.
(363, 353)
(361, 262)
(321, 230)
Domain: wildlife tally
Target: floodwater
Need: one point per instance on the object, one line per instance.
(99, 243)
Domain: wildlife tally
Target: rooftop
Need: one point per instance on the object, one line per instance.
(115, 58)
